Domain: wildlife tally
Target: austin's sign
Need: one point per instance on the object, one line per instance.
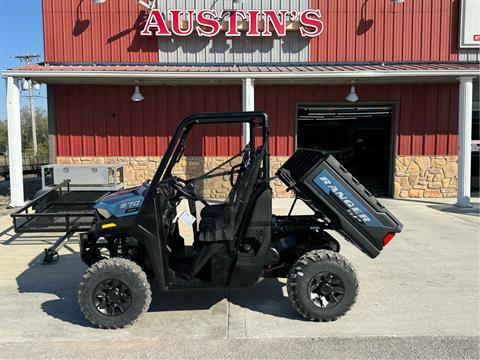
(210, 23)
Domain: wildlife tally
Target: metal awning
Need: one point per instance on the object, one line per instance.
(126, 73)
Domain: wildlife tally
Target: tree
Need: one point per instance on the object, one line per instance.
(3, 137)
(42, 131)
(27, 143)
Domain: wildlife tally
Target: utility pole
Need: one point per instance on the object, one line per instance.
(34, 120)
(27, 59)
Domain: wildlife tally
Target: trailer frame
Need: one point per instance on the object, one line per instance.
(58, 209)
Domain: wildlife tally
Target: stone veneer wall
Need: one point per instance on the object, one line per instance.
(426, 176)
(415, 176)
(139, 169)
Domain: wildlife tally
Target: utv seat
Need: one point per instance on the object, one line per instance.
(210, 215)
(220, 223)
(218, 210)
(213, 211)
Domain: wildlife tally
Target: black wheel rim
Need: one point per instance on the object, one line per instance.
(112, 297)
(326, 290)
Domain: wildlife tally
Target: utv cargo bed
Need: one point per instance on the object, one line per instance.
(329, 189)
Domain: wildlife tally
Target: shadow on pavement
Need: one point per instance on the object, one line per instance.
(266, 298)
(438, 205)
(29, 239)
(8, 231)
(474, 210)
(63, 277)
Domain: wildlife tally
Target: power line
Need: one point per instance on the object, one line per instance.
(28, 58)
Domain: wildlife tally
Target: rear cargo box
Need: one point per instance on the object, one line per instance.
(328, 188)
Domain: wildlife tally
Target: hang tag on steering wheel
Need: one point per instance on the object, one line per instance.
(186, 217)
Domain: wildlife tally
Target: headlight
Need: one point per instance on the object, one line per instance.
(104, 213)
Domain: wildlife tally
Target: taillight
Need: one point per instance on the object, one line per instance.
(387, 239)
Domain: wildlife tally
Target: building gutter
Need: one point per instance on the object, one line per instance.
(154, 75)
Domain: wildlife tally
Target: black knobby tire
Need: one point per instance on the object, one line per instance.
(117, 275)
(320, 267)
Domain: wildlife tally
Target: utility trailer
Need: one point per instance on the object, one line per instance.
(31, 165)
(67, 205)
(58, 210)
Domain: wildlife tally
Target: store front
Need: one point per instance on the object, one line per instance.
(348, 80)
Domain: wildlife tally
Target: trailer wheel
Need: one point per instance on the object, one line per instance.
(114, 293)
(322, 285)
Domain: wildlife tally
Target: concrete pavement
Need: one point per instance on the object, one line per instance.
(283, 348)
(423, 289)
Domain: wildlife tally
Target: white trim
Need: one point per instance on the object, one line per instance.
(15, 143)
(465, 109)
(248, 104)
(138, 75)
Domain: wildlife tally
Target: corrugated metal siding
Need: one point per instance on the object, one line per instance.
(355, 30)
(102, 121)
(469, 55)
(79, 31)
(380, 30)
(195, 50)
(427, 113)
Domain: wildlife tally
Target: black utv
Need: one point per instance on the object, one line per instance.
(136, 237)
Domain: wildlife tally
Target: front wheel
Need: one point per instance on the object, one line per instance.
(114, 293)
(322, 285)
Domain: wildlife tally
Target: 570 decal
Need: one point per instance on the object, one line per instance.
(130, 204)
(255, 23)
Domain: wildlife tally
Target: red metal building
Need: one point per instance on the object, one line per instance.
(404, 60)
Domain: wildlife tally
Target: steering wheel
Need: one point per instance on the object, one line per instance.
(186, 190)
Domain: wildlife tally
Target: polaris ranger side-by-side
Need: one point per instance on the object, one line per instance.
(135, 238)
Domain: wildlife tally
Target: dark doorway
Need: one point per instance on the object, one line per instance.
(360, 137)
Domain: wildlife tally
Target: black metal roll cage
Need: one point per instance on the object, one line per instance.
(177, 144)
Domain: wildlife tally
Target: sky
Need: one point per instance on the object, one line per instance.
(20, 35)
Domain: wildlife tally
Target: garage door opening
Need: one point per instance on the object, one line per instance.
(360, 137)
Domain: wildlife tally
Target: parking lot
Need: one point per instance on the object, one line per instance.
(421, 294)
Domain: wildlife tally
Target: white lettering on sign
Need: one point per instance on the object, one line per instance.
(353, 209)
(254, 23)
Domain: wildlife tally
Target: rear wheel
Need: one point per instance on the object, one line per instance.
(322, 285)
(114, 293)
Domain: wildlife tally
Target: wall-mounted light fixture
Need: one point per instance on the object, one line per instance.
(352, 96)
(137, 95)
